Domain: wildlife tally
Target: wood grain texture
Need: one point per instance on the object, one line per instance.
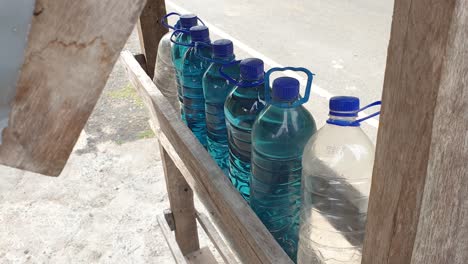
(442, 234)
(422, 139)
(171, 242)
(72, 48)
(182, 206)
(150, 31)
(235, 219)
(225, 252)
(202, 256)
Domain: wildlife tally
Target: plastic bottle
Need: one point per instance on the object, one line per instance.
(337, 169)
(216, 88)
(182, 40)
(241, 109)
(194, 68)
(164, 72)
(279, 136)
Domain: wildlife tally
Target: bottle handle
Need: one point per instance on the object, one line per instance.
(175, 33)
(199, 55)
(164, 21)
(166, 24)
(302, 100)
(201, 21)
(234, 81)
(358, 121)
(226, 76)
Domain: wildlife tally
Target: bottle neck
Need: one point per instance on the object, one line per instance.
(202, 44)
(282, 103)
(203, 48)
(187, 29)
(251, 84)
(342, 120)
(224, 58)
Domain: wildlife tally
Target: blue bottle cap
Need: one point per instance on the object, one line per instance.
(285, 89)
(200, 34)
(187, 21)
(223, 48)
(344, 106)
(251, 69)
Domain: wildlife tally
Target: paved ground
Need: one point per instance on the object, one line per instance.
(102, 208)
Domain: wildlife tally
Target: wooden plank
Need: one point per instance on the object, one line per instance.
(202, 256)
(216, 239)
(171, 242)
(442, 235)
(240, 226)
(182, 207)
(150, 31)
(72, 48)
(418, 205)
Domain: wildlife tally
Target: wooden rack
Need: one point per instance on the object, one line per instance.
(418, 207)
(417, 213)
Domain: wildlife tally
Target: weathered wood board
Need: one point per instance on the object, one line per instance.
(72, 48)
(182, 206)
(226, 254)
(179, 258)
(418, 209)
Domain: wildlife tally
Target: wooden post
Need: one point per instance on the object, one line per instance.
(418, 209)
(72, 48)
(182, 206)
(150, 31)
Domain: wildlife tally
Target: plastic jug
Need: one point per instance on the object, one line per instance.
(216, 88)
(279, 136)
(164, 72)
(194, 67)
(241, 109)
(182, 40)
(337, 169)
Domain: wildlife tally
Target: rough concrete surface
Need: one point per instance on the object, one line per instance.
(103, 207)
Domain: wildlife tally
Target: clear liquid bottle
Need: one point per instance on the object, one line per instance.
(216, 88)
(182, 40)
(279, 136)
(164, 72)
(195, 66)
(241, 109)
(337, 169)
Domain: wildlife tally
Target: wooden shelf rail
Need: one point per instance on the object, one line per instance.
(189, 167)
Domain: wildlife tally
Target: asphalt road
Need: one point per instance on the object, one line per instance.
(343, 42)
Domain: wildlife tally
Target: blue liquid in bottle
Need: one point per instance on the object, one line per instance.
(279, 136)
(242, 106)
(178, 52)
(194, 68)
(216, 88)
